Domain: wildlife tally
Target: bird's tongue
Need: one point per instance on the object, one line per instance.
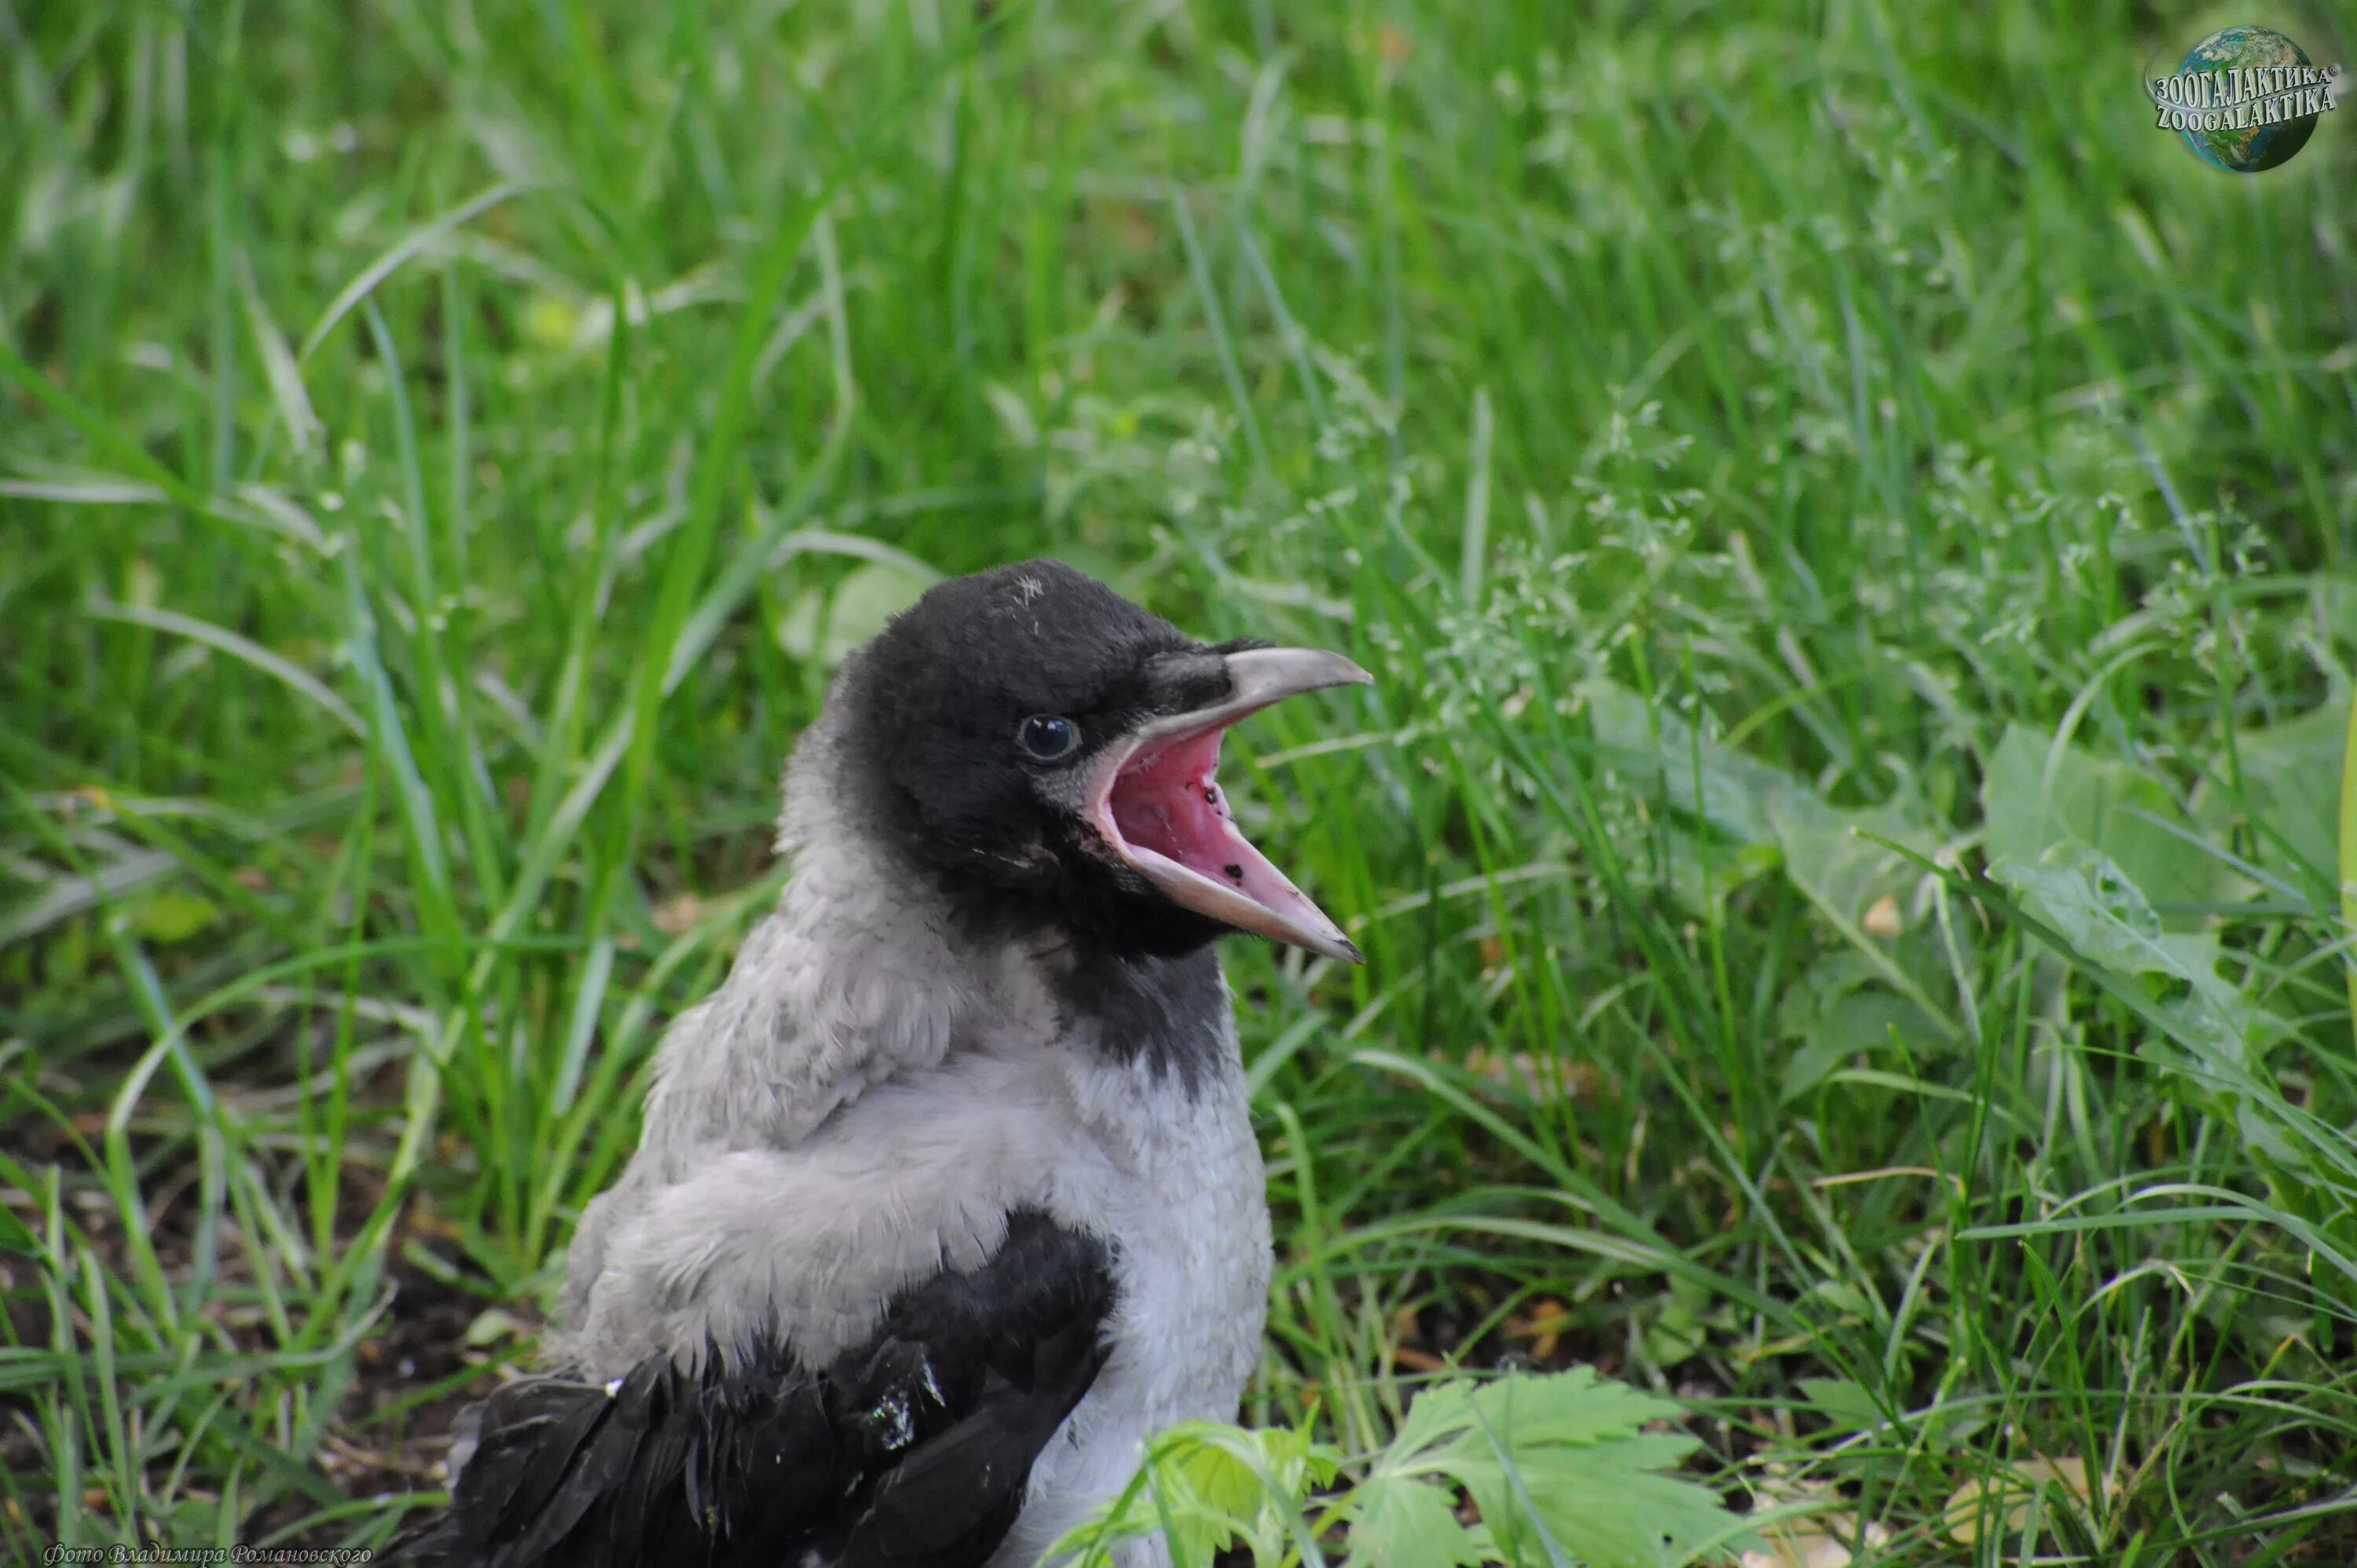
(1167, 804)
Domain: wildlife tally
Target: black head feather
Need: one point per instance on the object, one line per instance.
(935, 710)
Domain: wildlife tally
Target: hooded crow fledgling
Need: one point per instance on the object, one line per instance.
(949, 1198)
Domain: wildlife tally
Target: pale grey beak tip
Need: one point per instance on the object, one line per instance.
(1264, 676)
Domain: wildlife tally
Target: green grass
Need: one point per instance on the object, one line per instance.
(1853, 526)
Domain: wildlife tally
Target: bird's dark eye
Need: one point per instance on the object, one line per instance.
(1048, 737)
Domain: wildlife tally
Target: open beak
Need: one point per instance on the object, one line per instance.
(1156, 798)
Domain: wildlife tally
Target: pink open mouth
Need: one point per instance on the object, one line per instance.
(1160, 806)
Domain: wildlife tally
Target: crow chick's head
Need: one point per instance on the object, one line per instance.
(1047, 752)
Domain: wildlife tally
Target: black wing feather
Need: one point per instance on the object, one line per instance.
(953, 1500)
(515, 1469)
(911, 1451)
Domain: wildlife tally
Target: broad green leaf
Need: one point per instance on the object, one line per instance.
(2034, 798)
(1853, 1025)
(1675, 1334)
(1607, 1504)
(2091, 904)
(1829, 856)
(1440, 1414)
(1222, 1482)
(1700, 779)
(827, 628)
(493, 1324)
(1841, 1296)
(1204, 1486)
(1830, 853)
(1844, 1402)
(1702, 872)
(1834, 858)
(2218, 1039)
(1697, 775)
(2290, 786)
(1840, 1009)
(1408, 1523)
(1570, 1406)
(1566, 1457)
(173, 915)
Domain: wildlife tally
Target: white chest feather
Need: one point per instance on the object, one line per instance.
(1186, 1203)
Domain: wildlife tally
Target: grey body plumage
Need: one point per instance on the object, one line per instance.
(986, 999)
